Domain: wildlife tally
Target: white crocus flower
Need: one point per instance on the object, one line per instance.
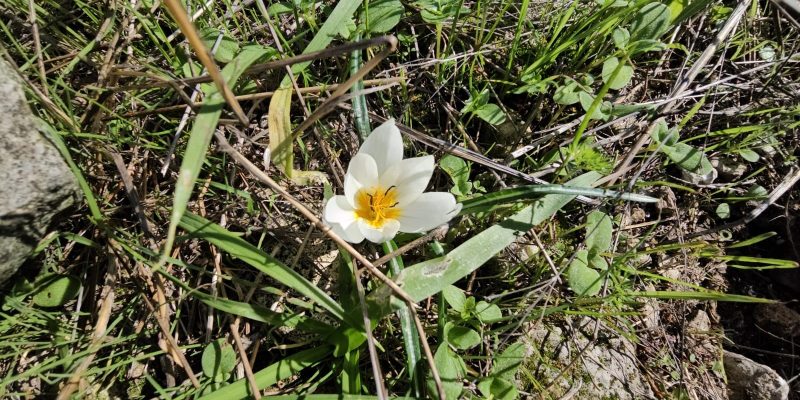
(383, 193)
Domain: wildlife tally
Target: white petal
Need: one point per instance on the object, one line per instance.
(410, 177)
(338, 210)
(379, 235)
(362, 172)
(350, 232)
(428, 211)
(384, 145)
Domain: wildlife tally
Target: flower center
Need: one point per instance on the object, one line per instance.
(376, 205)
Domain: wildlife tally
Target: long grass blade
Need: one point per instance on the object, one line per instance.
(203, 130)
(255, 257)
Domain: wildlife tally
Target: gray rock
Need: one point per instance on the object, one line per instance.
(749, 380)
(35, 182)
(577, 367)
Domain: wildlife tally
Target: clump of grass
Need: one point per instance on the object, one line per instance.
(201, 271)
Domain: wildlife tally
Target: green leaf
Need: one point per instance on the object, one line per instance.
(583, 280)
(645, 45)
(723, 211)
(487, 312)
(749, 155)
(461, 337)
(599, 230)
(621, 78)
(458, 170)
(218, 360)
(437, 11)
(568, 93)
(498, 388)
(506, 364)
(283, 369)
(382, 15)
(226, 50)
(55, 290)
(204, 126)
(455, 298)
(686, 156)
(651, 21)
(491, 113)
(621, 37)
(602, 112)
(451, 370)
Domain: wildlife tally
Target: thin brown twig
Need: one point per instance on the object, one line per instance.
(254, 96)
(37, 46)
(437, 234)
(190, 32)
(248, 371)
(325, 53)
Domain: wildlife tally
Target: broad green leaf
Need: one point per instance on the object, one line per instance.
(476, 100)
(491, 113)
(487, 312)
(454, 297)
(583, 280)
(461, 337)
(622, 77)
(55, 290)
(568, 93)
(257, 258)
(283, 369)
(645, 45)
(599, 230)
(507, 363)
(437, 11)
(427, 278)
(498, 388)
(749, 155)
(279, 119)
(602, 111)
(382, 15)
(451, 370)
(661, 133)
(687, 157)
(458, 170)
(204, 126)
(723, 211)
(651, 21)
(226, 50)
(621, 37)
(218, 360)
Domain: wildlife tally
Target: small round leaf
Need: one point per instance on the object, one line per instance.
(56, 291)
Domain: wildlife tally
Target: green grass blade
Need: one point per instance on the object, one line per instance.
(407, 326)
(489, 201)
(360, 112)
(55, 137)
(251, 311)
(258, 259)
(270, 375)
(203, 130)
(691, 295)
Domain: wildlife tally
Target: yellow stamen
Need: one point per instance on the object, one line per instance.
(376, 205)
